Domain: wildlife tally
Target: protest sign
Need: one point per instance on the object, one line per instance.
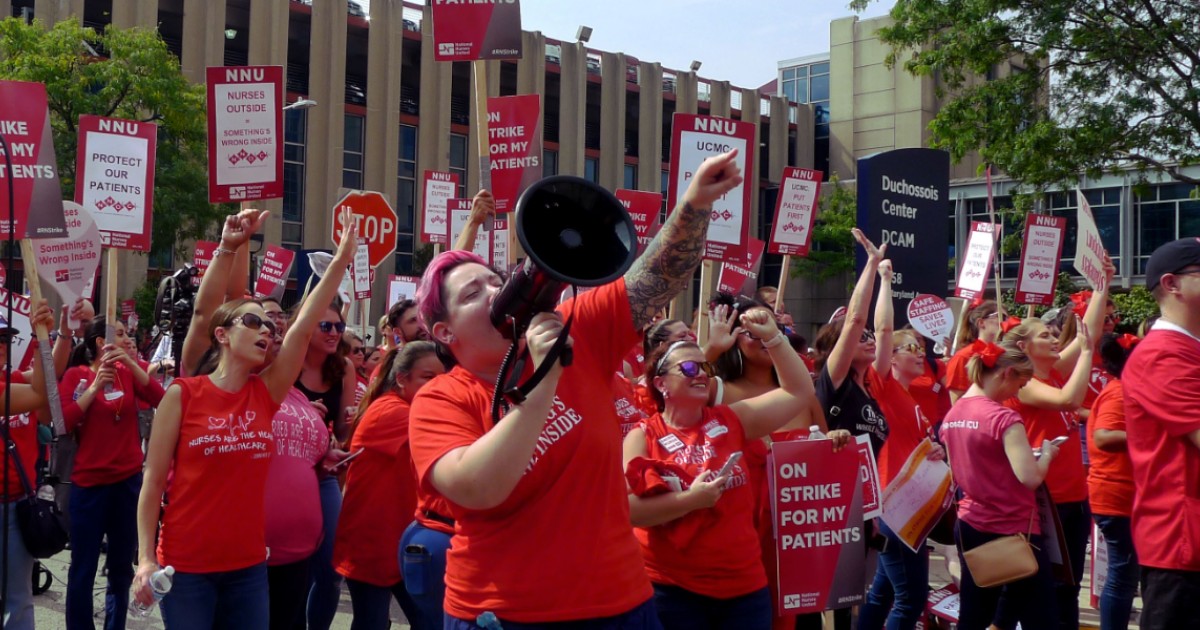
(868, 475)
(977, 265)
(273, 274)
(202, 259)
(1053, 538)
(467, 31)
(1040, 253)
(439, 188)
(70, 263)
(115, 178)
(402, 288)
(460, 214)
(1089, 249)
(1099, 565)
(643, 208)
(917, 497)
(816, 508)
(127, 309)
(360, 271)
(694, 138)
(515, 146)
(22, 342)
(245, 119)
(376, 221)
(499, 250)
(3, 275)
(931, 317)
(795, 211)
(741, 277)
(25, 127)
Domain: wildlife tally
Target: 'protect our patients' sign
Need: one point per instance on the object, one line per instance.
(245, 116)
(795, 211)
(440, 188)
(977, 265)
(37, 195)
(115, 182)
(471, 30)
(694, 138)
(1040, 253)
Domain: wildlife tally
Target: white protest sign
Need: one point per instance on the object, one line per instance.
(245, 117)
(931, 316)
(1089, 249)
(981, 246)
(460, 215)
(402, 288)
(695, 138)
(22, 343)
(69, 264)
(115, 182)
(361, 271)
(440, 188)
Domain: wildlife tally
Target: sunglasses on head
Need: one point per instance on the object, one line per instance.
(328, 327)
(692, 369)
(253, 322)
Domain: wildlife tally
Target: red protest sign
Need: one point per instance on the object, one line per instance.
(245, 119)
(272, 277)
(735, 276)
(931, 316)
(202, 259)
(127, 308)
(795, 211)
(643, 208)
(515, 146)
(25, 126)
(816, 507)
(466, 31)
(868, 476)
(3, 275)
(977, 265)
(115, 178)
(376, 221)
(440, 188)
(694, 138)
(1040, 253)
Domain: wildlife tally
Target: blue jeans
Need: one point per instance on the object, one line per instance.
(681, 609)
(326, 587)
(641, 618)
(901, 585)
(423, 563)
(230, 600)
(1031, 600)
(18, 599)
(98, 512)
(1116, 600)
(373, 603)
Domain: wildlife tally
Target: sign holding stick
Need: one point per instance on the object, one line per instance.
(202, 258)
(1040, 253)
(245, 114)
(1089, 249)
(25, 129)
(115, 168)
(439, 189)
(402, 288)
(694, 138)
(460, 214)
(361, 272)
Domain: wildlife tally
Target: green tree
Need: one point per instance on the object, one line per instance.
(130, 74)
(1099, 85)
(832, 252)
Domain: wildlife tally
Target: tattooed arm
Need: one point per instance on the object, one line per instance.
(672, 257)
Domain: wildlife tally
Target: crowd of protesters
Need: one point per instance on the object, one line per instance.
(287, 457)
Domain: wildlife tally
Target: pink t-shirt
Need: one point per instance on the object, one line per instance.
(293, 525)
(993, 501)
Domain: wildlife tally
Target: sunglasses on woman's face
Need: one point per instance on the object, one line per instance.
(867, 337)
(692, 369)
(328, 327)
(253, 322)
(909, 347)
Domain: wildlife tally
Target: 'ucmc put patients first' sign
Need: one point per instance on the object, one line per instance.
(904, 203)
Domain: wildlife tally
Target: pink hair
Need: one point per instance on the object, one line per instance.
(431, 305)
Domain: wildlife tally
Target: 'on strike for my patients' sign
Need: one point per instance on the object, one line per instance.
(245, 114)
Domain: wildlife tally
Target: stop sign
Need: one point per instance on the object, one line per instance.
(376, 221)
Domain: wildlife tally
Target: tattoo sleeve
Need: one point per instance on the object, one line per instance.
(668, 263)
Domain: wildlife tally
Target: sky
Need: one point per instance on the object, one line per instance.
(735, 40)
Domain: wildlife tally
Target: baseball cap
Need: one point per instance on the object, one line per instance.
(1172, 258)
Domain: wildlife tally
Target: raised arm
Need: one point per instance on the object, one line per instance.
(1070, 397)
(82, 312)
(24, 398)
(238, 282)
(237, 230)
(483, 208)
(766, 413)
(283, 371)
(722, 331)
(842, 357)
(670, 260)
(885, 321)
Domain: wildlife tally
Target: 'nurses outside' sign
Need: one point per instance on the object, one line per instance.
(245, 116)
(115, 178)
(694, 138)
(1040, 254)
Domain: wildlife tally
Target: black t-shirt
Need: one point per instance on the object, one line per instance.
(331, 398)
(852, 408)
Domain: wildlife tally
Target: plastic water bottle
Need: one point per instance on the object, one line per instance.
(79, 389)
(46, 493)
(160, 584)
(814, 433)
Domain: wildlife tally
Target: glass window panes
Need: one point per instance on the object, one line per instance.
(549, 163)
(820, 88)
(406, 195)
(591, 170)
(630, 177)
(458, 161)
(293, 165)
(790, 73)
(352, 153)
(292, 232)
(820, 68)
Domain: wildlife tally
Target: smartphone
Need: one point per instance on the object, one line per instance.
(1058, 441)
(350, 458)
(729, 463)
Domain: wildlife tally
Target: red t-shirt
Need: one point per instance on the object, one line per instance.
(214, 519)
(956, 371)
(625, 401)
(110, 441)
(724, 559)
(380, 496)
(993, 501)
(1066, 479)
(560, 547)
(1110, 477)
(929, 392)
(23, 429)
(1162, 395)
(1097, 380)
(907, 424)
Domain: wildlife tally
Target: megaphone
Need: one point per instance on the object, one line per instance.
(574, 233)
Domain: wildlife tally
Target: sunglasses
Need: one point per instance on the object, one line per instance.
(253, 322)
(1114, 318)
(328, 327)
(867, 337)
(692, 369)
(909, 347)
(357, 351)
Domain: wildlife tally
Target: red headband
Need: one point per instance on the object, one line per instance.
(1080, 301)
(1012, 322)
(1128, 341)
(988, 352)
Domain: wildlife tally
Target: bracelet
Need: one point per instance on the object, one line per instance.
(774, 341)
(221, 250)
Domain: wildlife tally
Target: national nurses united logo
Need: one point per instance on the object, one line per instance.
(62, 275)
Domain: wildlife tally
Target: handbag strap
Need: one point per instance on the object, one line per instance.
(11, 445)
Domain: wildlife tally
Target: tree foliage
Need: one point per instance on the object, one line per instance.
(1102, 85)
(122, 73)
(832, 251)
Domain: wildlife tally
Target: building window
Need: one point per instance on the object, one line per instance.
(1166, 213)
(352, 153)
(809, 83)
(549, 163)
(1106, 207)
(631, 176)
(406, 200)
(591, 170)
(294, 132)
(458, 161)
(664, 177)
(163, 259)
